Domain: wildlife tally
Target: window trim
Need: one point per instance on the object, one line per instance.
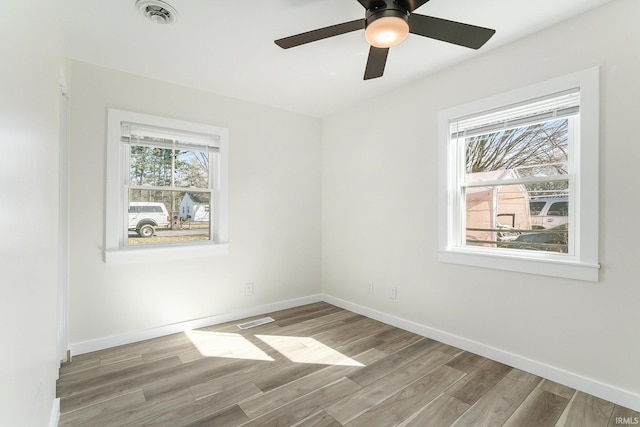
(115, 251)
(583, 265)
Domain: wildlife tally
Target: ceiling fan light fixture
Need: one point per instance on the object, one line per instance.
(387, 30)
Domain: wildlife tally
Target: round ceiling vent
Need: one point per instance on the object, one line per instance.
(157, 11)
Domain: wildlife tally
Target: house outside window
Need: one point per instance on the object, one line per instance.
(158, 168)
(519, 186)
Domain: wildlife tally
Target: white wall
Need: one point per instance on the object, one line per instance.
(31, 51)
(380, 181)
(274, 211)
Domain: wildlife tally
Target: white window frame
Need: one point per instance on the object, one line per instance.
(582, 264)
(116, 250)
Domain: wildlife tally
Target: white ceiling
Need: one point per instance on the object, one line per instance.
(226, 46)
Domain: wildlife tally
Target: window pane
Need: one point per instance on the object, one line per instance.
(150, 166)
(192, 169)
(164, 216)
(162, 167)
(501, 217)
(535, 150)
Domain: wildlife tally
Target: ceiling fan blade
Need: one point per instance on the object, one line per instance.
(320, 33)
(449, 31)
(376, 62)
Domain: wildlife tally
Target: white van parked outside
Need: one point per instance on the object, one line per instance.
(548, 212)
(144, 217)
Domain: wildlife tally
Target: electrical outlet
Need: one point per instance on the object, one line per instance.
(248, 289)
(370, 287)
(394, 293)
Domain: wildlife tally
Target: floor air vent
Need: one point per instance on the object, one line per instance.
(255, 323)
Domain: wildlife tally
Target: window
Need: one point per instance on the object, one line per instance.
(520, 186)
(166, 188)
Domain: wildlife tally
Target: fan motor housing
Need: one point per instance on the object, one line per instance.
(385, 8)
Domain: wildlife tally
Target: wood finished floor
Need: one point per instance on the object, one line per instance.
(316, 365)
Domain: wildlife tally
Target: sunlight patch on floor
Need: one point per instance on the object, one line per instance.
(228, 345)
(307, 350)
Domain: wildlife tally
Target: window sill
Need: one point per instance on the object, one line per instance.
(569, 268)
(165, 253)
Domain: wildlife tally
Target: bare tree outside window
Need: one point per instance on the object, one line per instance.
(537, 150)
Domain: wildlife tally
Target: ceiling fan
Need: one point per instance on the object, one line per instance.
(387, 23)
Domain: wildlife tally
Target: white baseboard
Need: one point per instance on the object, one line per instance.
(55, 413)
(605, 391)
(135, 336)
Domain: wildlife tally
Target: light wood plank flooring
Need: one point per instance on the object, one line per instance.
(316, 365)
